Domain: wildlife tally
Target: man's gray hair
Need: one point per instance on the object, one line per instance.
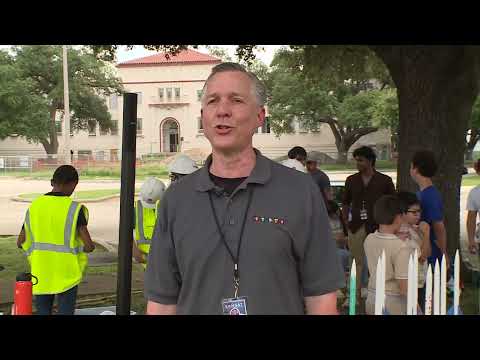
(259, 89)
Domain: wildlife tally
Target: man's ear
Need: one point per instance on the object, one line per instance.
(261, 117)
(51, 182)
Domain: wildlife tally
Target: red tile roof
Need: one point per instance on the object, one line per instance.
(187, 56)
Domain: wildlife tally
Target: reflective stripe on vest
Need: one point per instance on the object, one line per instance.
(65, 248)
(141, 231)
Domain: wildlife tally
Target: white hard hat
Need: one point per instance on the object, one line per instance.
(294, 164)
(151, 191)
(182, 165)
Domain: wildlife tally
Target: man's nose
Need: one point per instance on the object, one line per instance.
(224, 108)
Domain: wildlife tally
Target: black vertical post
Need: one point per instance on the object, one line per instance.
(127, 194)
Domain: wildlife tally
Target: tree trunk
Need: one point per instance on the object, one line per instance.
(342, 156)
(338, 133)
(51, 145)
(437, 86)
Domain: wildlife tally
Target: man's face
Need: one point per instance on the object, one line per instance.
(311, 166)
(362, 163)
(230, 113)
(413, 172)
(412, 216)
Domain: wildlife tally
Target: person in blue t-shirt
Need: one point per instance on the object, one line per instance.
(422, 169)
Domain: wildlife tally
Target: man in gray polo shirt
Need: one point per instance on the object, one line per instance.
(232, 238)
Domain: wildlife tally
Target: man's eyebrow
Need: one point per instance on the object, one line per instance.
(232, 94)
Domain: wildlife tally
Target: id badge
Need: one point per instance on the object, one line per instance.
(235, 306)
(363, 214)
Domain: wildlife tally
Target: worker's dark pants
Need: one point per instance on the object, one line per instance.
(66, 302)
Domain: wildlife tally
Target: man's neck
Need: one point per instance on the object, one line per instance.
(387, 229)
(235, 165)
(57, 189)
(424, 183)
(367, 173)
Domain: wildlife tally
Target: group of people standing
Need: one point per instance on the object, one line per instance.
(229, 239)
(374, 217)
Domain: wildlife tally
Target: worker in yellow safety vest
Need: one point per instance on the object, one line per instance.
(146, 207)
(55, 239)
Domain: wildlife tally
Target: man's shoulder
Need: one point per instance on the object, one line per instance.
(431, 193)
(475, 191)
(287, 175)
(388, 241)
(185, 185)
(322, 173)
(353, 177)
(383, 176)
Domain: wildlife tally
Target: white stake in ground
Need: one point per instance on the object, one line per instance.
(383, 281)
(378, 287)
(415, 277)
(456, 280)
(443, 286)
(428, 292)
(436, 289)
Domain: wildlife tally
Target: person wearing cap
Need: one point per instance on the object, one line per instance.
(55, 238)
(230, 238)
(151, 193)
(320, 178)
(296, 158)
(181, 166)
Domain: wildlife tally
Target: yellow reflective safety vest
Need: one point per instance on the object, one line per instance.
(145, 219)
(52, 244)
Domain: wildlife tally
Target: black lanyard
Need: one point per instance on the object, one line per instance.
(235, 259)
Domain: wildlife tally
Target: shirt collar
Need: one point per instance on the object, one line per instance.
(260, 174)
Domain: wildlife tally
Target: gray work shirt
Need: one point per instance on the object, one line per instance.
(287, 250)
(321, 179)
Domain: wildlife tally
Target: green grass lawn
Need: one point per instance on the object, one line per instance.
(351, 166)
(471, 180)
(81, 195)
(14, 261)
(11, 258)
(109, 173)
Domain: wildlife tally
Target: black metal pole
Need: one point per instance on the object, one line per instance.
(127, 194)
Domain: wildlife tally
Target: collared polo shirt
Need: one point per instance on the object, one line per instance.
(356, 193)
(287, 251)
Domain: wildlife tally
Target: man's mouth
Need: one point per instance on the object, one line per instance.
(223, 127)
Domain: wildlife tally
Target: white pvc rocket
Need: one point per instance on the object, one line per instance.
(428, 292)
(443, 287)
(410, 288)
(380, 285)
(456, 288)
(436, 289)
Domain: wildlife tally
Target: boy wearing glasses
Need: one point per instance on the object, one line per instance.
(416, 234)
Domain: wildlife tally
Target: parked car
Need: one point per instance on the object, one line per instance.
(338, 188)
